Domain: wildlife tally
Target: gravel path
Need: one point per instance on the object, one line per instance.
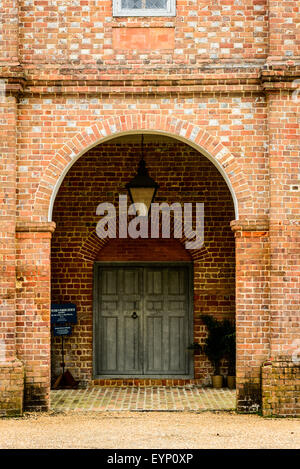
(153, 430)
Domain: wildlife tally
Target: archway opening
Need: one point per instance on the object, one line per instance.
(184, 176)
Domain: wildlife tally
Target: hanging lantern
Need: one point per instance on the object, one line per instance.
(142, 188)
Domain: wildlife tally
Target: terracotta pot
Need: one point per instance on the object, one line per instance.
(217, 381)
(231, 382)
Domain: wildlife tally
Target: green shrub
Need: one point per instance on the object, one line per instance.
(220, 342)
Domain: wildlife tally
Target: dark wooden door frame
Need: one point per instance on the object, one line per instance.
(96, 270)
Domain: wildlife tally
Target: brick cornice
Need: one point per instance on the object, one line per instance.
(158, 86)
(277, 77)
(35, 227)
(13, 86)
(14, 78)
(254, 78)
(250, 224)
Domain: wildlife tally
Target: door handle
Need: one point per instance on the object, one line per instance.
(134, 315)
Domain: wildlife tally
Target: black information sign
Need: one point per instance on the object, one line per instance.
(62, 330)
(63, 313)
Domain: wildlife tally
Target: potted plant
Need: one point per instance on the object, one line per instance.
(230, 353)
(214, 347)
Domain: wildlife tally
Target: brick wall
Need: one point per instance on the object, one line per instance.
(99, 177)
(9, 30)
(82, 33)
(281, 387)
(284, 32)
(47, 124)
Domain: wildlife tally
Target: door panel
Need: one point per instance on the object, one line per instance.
(142, 324)
(119, 334)
(130, 294)
(109, 342)
(131, 344)
(176, 344)
(154, 327)
(166, 301)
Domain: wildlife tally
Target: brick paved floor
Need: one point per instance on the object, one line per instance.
(143, 399)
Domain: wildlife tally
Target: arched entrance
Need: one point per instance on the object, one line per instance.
(157, 277)
(251, 235)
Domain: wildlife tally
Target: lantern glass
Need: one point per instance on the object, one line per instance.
(142, 195)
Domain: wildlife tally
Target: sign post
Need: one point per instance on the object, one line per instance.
(61, 314)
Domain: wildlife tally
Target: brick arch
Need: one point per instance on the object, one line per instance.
(112, 127)
(93, 245)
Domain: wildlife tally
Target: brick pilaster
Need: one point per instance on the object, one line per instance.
(11, 370)
(33, 311)
(252, 309)
(284, 151)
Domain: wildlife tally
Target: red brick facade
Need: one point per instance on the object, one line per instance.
(222, 81)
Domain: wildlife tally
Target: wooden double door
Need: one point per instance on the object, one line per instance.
(142, 320)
